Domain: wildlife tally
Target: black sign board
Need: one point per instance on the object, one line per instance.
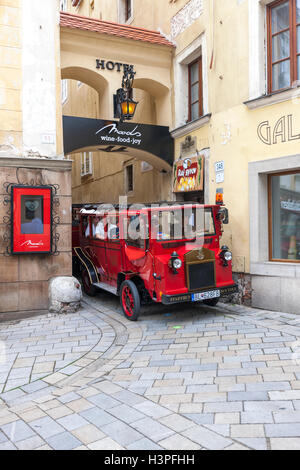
(81, 133)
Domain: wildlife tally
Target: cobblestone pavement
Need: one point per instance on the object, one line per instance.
(181, 378)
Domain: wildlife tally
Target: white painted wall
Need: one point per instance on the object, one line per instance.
(39, 21)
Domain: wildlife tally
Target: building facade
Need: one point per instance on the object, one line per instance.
(221, 77)
(31, 153)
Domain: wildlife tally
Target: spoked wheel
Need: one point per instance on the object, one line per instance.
(88, 287)
(211, 302)
(130, 300)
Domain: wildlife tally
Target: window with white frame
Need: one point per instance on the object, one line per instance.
(63, 5)
(125, 10)
(274, 46)
(191, 83)
(86, 163)
(64, 91)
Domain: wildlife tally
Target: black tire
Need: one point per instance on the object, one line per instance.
(130, 300)
(211, 302)
(88, 288)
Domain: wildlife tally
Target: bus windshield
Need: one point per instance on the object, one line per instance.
(183, 224)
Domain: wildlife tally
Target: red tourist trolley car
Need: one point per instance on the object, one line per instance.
(168, 253)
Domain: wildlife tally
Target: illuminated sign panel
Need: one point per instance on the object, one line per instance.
(31, 219)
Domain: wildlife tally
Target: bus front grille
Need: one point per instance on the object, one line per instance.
(201, 276)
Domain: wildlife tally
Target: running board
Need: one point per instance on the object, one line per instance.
(107, 287)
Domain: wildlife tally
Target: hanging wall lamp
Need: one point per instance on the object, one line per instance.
(124, 105)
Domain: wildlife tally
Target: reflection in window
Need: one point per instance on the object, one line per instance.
(285, 217)
(32, 208)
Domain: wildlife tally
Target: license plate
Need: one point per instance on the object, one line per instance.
(213, 294)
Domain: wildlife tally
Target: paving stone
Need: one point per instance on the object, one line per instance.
(30, 444)
(227, 407)
(247, 396)
(287, 395)
(247, 430)
(283, 430)
(255, 443)
(176, 422)
(152, 429)
(3, 438)
(7, 446)
(257, 417)
(268, 386)
(59, 412)
(126, 413)
(105, 444)
(122, 433)
(207, 439)
(152, 409)
(179, 443)
(103, 401)
(287, 416)
(144, 444)
(17, 431)
(128, 398)
(68, 397)
(72, 422)
(222, 429)
(203, 418)
(88, 434)
(32, 415)
(227, 418)
(46, 427)
(97, 417)
(285, 443)
(63, 441)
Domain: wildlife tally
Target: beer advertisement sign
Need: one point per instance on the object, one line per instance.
(188, 175)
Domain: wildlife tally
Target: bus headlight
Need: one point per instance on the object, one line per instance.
(177, 263)
(228, 255)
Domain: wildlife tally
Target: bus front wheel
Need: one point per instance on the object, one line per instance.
(130, 300)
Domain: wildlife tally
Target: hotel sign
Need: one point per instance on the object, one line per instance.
(111, 65)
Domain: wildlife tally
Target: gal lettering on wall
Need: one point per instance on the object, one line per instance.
(283, 131)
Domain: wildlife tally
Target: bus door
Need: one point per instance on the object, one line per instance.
(113, 249)
(98, 235)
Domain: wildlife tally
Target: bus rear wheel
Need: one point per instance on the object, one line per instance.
(130, 300)
(88, 287)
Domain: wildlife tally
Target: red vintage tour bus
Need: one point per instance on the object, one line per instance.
(166, 253)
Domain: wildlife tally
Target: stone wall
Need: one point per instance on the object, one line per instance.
(24, 279)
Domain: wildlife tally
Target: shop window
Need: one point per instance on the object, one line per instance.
(284, 216)
(86, 163)
(283, 44)
(129, 186)
(195, 90)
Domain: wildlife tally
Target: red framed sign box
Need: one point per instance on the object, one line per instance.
(31, 219)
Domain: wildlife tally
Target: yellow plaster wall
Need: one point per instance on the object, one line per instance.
(10, 76)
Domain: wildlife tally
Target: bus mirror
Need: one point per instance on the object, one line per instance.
(223, 216)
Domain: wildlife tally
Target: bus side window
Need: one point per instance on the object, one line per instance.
(85, 226)
(137, 231)
(113, 232)
(98, 228)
